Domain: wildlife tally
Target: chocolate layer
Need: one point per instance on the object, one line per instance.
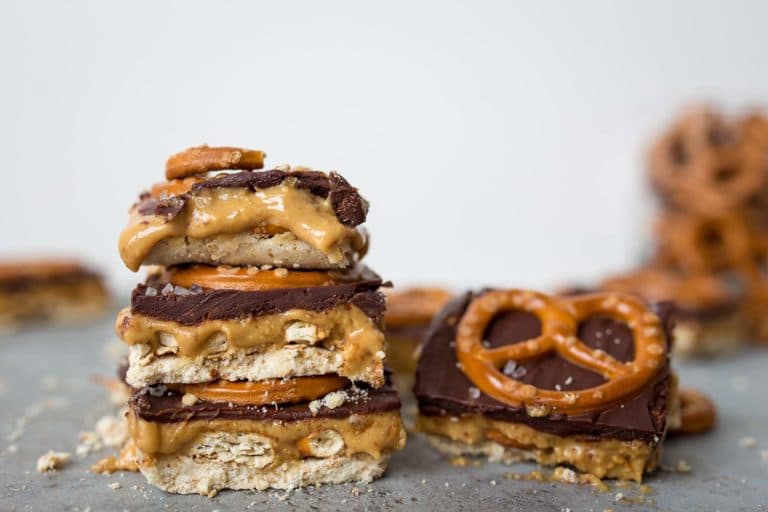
(442, 388)
(208, 304)
(349, 206)
(167, 407)
(21, 282)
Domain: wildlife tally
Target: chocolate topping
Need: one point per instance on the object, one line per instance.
(209, 304)
(349, 206)
(167, 407)
(442, 388)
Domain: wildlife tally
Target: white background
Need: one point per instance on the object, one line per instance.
(498, 142)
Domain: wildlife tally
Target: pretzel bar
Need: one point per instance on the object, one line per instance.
(583, 381)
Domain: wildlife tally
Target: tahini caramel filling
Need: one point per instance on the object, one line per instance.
(345, 329)
(231, 210)
(372, 434)
(611, 458)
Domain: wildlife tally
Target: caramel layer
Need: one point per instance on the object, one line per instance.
(345, 329)
(372, 434)
(611, 458)
(218, 211)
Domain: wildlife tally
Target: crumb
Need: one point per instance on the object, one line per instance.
(458, 462)
(331, 401)
(618, 497)
(564, 474)
(683, 467)
(492, 482)
(89, 442)
(281, 272)
(747, 442)
(51, 461)
(112, 431)
(763, 455)
(12, 448)
(115, 486)
(188, 400)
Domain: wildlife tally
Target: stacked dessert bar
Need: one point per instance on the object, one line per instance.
(256, 345)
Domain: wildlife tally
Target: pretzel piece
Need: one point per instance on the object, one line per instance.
(560, 318)
(697, 411)
(270, 391)
(202, 159)
(707, 164)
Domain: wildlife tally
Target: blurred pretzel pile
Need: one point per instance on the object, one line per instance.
(711, 175)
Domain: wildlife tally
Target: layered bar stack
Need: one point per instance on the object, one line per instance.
(256, 349)
(582, 381)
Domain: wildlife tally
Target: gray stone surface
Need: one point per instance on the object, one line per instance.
(45, 375)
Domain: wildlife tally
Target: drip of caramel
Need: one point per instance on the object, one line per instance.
(211, 212)
(372, 434)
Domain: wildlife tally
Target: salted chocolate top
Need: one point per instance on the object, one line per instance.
(359, 288)
(156, 404)
(349, 206)
(443, 389)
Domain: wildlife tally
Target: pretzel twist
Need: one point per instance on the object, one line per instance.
(703, 244)
(707, 165)
(560, 318)
(202, 159)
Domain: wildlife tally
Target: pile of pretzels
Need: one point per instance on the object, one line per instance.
(710, 173)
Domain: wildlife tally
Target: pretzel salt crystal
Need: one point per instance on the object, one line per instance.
(560, 318)
(202, 159)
